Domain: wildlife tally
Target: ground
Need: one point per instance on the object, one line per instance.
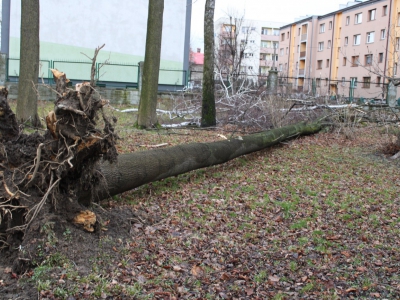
(314, 218)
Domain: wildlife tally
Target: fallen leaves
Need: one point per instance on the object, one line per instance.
(197, 271)
(273, 278)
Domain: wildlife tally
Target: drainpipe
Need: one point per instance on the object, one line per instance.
(387, 40)
(290, 41)
(330, 65)
(311, 47)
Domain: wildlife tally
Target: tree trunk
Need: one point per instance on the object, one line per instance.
(147, 117)
(208, 112)
(135, 169)
(29, 63)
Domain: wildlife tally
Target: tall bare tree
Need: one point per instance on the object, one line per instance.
(29, 63)
(233, 43)
(208, 112)
(148, 98)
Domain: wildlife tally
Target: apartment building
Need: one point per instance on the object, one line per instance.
(257, 41)
(358, 42)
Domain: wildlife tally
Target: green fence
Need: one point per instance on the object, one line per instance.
(44, 68)
(105, 72)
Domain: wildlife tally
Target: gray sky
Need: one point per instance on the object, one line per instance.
(276, 11)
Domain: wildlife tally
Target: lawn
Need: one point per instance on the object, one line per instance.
(316, 217)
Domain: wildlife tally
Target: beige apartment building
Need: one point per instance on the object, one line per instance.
(359, 43)
(257, 40)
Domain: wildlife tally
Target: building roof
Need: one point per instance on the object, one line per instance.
(196, 58)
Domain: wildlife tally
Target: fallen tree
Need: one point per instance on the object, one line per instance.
(74, 163)
(135, 169)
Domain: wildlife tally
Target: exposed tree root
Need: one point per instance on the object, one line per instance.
(44, 174)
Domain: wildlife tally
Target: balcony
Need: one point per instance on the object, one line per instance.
(302, 54)
(301, 72)
(304, 37)
(265, 63)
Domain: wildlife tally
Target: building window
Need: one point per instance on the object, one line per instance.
(357, 39)
(319, 64)
(368, 59)
(398, 19)
(276, 31)
(378, 81)
(287, 35)
(275, 45)
(318, 82)
(267, 31)
(282, 37)
(287, 50)
(395, 69)
(358, 18)
(297, 65)
(384, 10)
(344, 61)
(299, 31)
(326, 81)
(346, 40)
(347, 20)
(281, 52)
(366, 82)
(371, 14)
(370, 37)
(383, 34)
(355, 61)
(329, 44)
(330, 24)
(327, 63)
(252, 41)
(247, 55)
(280, 67)
(322, 28)
(250, 67)
(229, 28)
(354, 79)
(275, 57)
(298, 48)
(380, 57)
(343, 81)
(243, 42)
(265, 44)
(397, 44)
(320, 46)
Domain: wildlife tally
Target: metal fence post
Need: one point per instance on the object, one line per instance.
(351, 90)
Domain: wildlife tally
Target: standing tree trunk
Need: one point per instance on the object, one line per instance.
(148, 98)
(208, 113)
(29, 63)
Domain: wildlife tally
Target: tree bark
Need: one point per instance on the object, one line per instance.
(147, 116)
(138, 168)
(29, 63)
(208, 112)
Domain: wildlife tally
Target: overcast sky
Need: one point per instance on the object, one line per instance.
(276, 11)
